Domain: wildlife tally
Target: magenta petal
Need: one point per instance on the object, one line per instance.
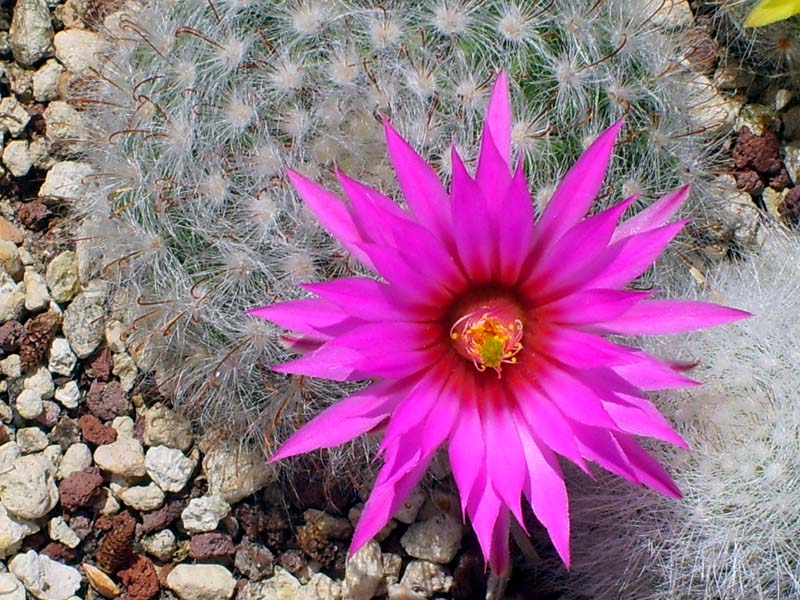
(484, 509)
(399, 364)
(374, 213)
(344, 420)
(374, 340)
(422, 190)
(639, 417)
(493, 172)
(635, 254)
(545, 490)
(514, 228)
(657, 317)
(499, 553)
(309, 315)
(466, 448)
(414, 408)
(474, 234)
(577, 400)
(327, 362)
(647, 470)
(390, 491)
(555, 271)
(429, 256)
(331, 212)
(365, 298)
(544, 417)
(601, 447)
(649, 373)
(581, 349)
(655, 215)
(504, 457)
(577, 190)
(591, 306)
(497, 122)
(405, 277)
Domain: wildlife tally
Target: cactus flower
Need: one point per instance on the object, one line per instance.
(770, 11)
(485, 333)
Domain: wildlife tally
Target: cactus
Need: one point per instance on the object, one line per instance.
(736, 532)
(202, 105)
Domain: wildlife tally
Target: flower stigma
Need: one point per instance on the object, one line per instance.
(488, 339)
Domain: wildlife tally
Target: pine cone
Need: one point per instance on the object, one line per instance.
(39, 332)
(116, 548)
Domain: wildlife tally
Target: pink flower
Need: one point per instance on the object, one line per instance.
(485, 333)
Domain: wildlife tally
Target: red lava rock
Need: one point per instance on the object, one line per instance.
(749, 181)
(34, 215)
(61, 553)
(95, 432)
(107, 400)
(11, 334)
(780, 181)
(760, 153)
(4, 435)
(140, 579)
(80, 489)
(789, 209)
(101, 364)
(206, 546)
(156, 520)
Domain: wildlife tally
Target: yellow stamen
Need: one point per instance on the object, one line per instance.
(488, 340)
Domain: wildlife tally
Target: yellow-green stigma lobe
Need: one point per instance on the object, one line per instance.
(488, 337)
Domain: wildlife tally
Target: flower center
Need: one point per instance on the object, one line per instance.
(489, 336)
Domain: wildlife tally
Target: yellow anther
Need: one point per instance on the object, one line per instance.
(487, 340)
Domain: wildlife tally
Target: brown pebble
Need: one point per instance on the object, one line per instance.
(107, 400)
(140, 579)
(205, 546)
(34, 215)
(80, 489)
(94, 432)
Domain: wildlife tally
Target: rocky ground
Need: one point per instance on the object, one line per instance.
(106, 491)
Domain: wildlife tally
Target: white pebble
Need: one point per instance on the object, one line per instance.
(29, 404)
